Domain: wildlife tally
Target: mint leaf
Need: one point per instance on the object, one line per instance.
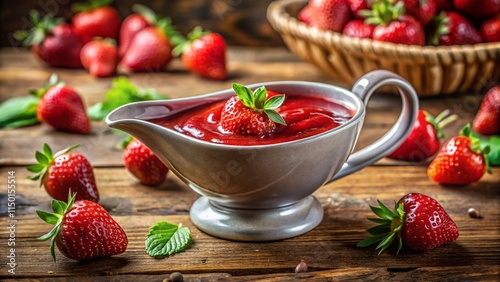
(165, 239)
(122, 92)
(18, 112)
(494, 143)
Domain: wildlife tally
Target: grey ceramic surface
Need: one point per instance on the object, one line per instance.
(261, 193)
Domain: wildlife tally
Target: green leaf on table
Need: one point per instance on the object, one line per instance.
(165, 239)
(18, 112)
(494, 143)
(122, 92)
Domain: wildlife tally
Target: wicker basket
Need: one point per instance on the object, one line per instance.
(431, 70)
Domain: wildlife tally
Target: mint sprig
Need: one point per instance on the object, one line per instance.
(256, 100)
(165, 239)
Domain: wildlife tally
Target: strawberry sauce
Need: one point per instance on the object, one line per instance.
(304, 115)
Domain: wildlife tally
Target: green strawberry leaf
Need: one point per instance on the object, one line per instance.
(122, 92)
(18, 111)
(165, 239)
(493, 142)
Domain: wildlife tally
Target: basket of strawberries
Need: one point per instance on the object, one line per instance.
(439, 46)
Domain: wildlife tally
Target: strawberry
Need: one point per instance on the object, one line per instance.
(443, 5)
(355, 6)
(461, 161)
(143, 163)
(61, 107)
(329, 14)
(358, 28)
(393, 25)
(95, 19)
(422, 10)
(454, 29)
(304, 15)
(53, 41)
(250, 113)
(490, 29)
(83, 230)
(63, 171)
(417, 221)
(480, 9)
(204, 54)
(424, 139)
(487, 119)
(141, 18)
(100, 57)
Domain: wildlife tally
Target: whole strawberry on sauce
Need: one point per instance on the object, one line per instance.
(53, 41)
(204, 54)
(95, 18)
(454, 29)
(487, 119)
(141, 18)
(61, 107)
(490, 29)
(64, 171)
(417, 221)
(100, 57)
(480, 9)
(329, 14)
(461, 161)
(142, 163)
(425, 138)
(83, 230)
(393, 25)
(251, 112)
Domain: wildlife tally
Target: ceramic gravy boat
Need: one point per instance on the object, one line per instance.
(264, 192)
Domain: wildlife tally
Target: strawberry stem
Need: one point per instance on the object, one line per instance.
(475, 146)
(44, 160)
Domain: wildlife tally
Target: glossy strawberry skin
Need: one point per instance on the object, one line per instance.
(100, 58)
(490, 30)
(141, 162)
(487, 119)
(423, 11)
(206, 56)
(421, 143)
(358, 28)
(149, 50)
(236, 118)
(461, 31)
(101, 22)
(62, 108)
(426, 224)
(71, 171)
(358, 5)
(329, 14)
(60, 48)
(129, 28)
(405, 30)
(88, 231)
(456, 163)
(480, 9)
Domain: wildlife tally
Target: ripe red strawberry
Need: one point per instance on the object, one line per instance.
(487, 119)
(249, 113)
(141, 18)
(53, 41)
(424, 139)
(64, 171)
(204, 54)
(417, 221)
(355, 6)
(144, 164)
(61, 107)
(329, 14)
(100, 57)
(454, 29)
(95, 19)
(393, 25)
(422, 10)
(83, 230)
(461, 161)
(304, 15)
(480, 9)
(490, 29)
(358, 28)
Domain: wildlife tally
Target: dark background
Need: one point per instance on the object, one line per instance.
(241, 22)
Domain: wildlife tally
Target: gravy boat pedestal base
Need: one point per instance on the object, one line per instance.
(256, 224)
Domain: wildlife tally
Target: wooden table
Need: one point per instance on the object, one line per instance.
(329, 250)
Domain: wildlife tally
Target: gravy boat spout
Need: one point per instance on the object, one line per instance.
(264, 192)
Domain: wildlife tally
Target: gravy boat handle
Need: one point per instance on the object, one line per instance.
(364, 88)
